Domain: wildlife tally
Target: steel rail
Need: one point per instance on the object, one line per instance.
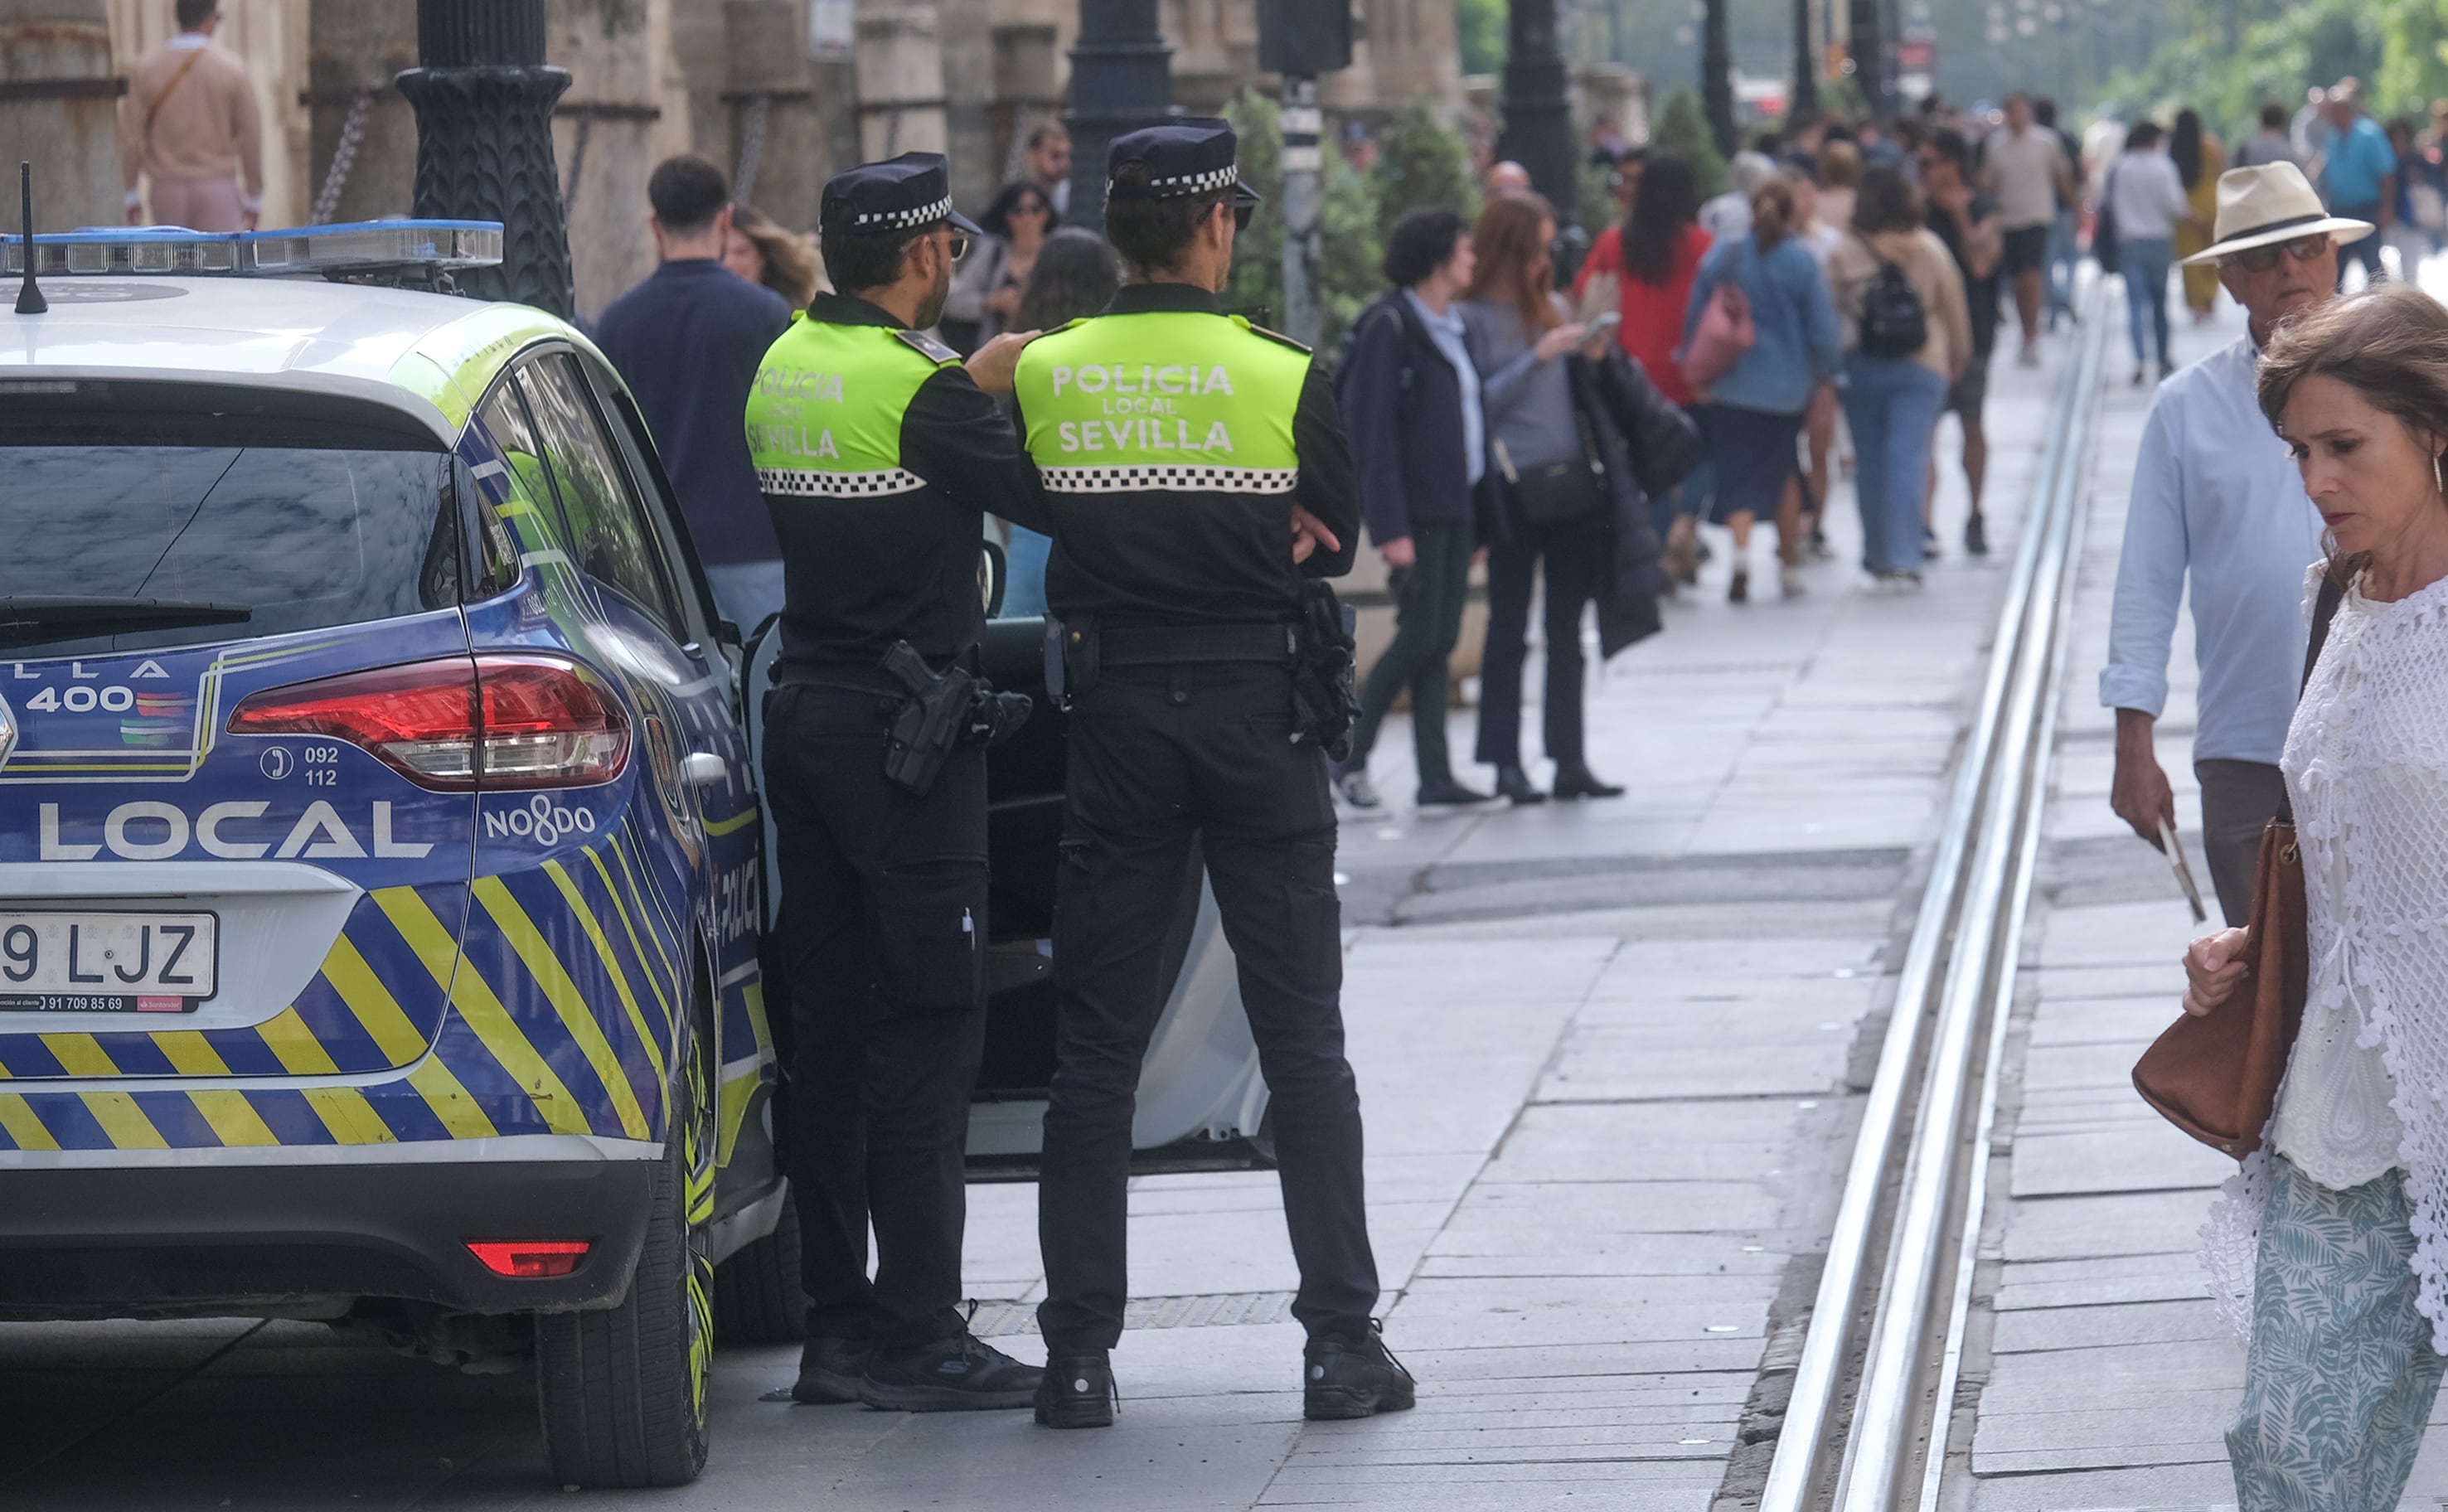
(1917, 1020)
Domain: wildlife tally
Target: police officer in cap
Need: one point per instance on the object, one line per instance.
(879, 455)
(1199, 477)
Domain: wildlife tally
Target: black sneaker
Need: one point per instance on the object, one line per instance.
(1340, 1379)
(959, 1374)
(1077, 1392)
(1976, 537)
(1446, 792)
(830, 1371)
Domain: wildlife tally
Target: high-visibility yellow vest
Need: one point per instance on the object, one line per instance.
(1171, 401)
(824, 419)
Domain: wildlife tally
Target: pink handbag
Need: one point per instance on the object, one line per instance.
(1724, 333)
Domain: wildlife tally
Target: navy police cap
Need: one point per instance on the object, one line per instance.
(906, 193)
(1189, 155)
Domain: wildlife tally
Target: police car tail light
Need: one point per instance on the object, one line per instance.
(527, 1258)
(460, 724)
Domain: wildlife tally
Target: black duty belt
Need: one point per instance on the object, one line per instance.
(841, 679)
(1174, 645)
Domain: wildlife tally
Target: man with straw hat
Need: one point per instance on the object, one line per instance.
(2216, 498)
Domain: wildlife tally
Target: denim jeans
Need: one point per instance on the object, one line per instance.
(2063, 255)
(2365, 251)
(746, 592)
(1892, 406)
(2145, 264)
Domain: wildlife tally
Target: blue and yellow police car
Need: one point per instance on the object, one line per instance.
(380, 854)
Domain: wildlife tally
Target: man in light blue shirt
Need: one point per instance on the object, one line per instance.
(2358, 171)
(2217, 500)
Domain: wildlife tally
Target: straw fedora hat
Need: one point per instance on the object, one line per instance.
(2268, 203)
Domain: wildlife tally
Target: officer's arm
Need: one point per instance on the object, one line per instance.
(1328, 488)
(953, 436)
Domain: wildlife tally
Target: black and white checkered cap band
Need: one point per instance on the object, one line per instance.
(904, 220)
(1183, 184)
(1171, 479)
(805, 483)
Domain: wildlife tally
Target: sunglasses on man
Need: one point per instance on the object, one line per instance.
(2261, 260)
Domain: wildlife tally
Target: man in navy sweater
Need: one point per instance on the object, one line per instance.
(688, 341)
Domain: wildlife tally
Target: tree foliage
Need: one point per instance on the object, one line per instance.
(2278, 56)
(1478, 27)
(1421, 159)
(1684, 127)
(1347, 224)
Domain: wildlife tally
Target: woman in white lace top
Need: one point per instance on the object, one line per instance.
(2332, 1246)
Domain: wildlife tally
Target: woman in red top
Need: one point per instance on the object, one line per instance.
(1653, 257)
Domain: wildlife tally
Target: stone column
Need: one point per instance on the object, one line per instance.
(483, 97)
(1027, 92)
(775, 110)
(968, 57)
(59, 111)
(615, 54)
(900, 79)
(353, 52)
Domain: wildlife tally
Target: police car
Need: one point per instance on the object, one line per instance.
(378, 851)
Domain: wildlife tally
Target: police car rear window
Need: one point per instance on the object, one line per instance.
(305, 535)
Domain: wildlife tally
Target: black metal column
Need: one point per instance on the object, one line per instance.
(1717, 77)
(1804, 99)
(483, 99)
(1121, 79)
(1537, 114)
(1866, 47)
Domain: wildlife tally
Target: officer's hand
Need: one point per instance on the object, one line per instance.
(992, 367)
(1309, 533)
(1398, 552)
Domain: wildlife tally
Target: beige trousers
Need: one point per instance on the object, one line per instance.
(199, 204)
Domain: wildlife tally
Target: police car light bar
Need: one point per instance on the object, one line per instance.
(365, 245)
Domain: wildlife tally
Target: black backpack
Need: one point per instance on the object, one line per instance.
(1893, 323)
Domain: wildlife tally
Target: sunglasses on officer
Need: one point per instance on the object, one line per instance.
(1240, 209)
(2261, 260)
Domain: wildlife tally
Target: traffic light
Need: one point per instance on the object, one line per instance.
(1304, 37)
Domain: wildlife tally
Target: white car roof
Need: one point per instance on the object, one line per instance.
(429, 354)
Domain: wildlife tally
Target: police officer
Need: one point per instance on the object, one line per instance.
(879, 455)
(1197, 474)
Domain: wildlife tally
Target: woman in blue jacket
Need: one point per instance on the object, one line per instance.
(1757, 407)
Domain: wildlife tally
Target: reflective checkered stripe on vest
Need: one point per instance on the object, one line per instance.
(1163, 402)
(824, 420)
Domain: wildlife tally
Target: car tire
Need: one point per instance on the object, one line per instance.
(757, 1295)
(623, 1391)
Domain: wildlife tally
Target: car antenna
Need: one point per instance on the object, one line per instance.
(29, 296)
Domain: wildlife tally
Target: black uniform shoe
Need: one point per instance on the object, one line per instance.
(1340, 1379)
(1580, 782)
(959, 1374)
(1446, 791)
(1976, 537)
(1077, 1392)
(830, 1371)
(1514, 783)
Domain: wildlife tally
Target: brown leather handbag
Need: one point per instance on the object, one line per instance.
(2216, 1077)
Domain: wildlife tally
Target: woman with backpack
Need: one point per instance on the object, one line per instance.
(1759, 336)
(1908, 336)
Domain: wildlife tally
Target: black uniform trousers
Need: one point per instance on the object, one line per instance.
(1161, 756)
(883, 918)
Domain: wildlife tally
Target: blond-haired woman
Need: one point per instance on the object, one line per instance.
(761, 251)
(2333, 1243)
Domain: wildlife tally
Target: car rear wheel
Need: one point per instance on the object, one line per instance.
(757, 1295)
(623, 1391)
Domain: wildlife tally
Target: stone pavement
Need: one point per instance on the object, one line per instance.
(1610, 1057)
(2096, 1374)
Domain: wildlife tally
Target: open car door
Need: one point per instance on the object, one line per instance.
(1202, 1102)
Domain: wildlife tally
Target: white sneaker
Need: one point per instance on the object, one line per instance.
(1789, 582)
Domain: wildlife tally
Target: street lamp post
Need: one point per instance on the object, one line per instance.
(1717, 76)
(1121, 79)
(1537, 116)
(1805, 65)
(484, 96)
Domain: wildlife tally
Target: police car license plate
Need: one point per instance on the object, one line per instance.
(107, 962)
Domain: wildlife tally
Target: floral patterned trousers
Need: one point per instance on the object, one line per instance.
(2340, 1373)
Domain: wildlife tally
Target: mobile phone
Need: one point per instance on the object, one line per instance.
(1602, 324)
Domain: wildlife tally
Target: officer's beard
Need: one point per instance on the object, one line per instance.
(931, 307)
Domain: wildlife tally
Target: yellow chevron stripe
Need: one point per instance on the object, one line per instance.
(123, 1120)
(567, 999)
(485, 1014)
(79, 1054)
(376, 1008)
(23, 1127)
(753, 993)
(587, 921)
(190, 1053)
(299, 1052)
(233, 1117)
(732, 1103)
(629, 926)
(738, 821)
(457, 1108)
(662, 905)
(638, 896)
(349, 1116)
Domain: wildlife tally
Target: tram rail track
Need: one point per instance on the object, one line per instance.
(1866, 1422)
